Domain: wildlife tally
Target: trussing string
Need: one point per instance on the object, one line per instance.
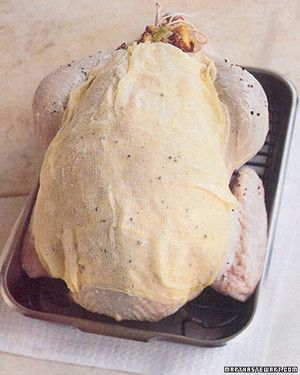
(169, 20)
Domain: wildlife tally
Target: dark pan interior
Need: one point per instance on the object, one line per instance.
(210, 319)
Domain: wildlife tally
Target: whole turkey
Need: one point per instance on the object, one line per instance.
(143, 199)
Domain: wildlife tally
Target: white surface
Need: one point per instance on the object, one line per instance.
(11, 364)
(272, 338)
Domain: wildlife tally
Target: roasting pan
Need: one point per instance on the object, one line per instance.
(209, 320)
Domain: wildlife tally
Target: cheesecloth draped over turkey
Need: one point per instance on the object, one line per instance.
(134, 191)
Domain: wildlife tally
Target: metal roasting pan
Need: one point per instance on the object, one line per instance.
(209, 320)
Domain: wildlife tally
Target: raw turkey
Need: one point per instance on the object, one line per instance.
(140, 205)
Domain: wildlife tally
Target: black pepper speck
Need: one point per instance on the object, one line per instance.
(81, 268)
